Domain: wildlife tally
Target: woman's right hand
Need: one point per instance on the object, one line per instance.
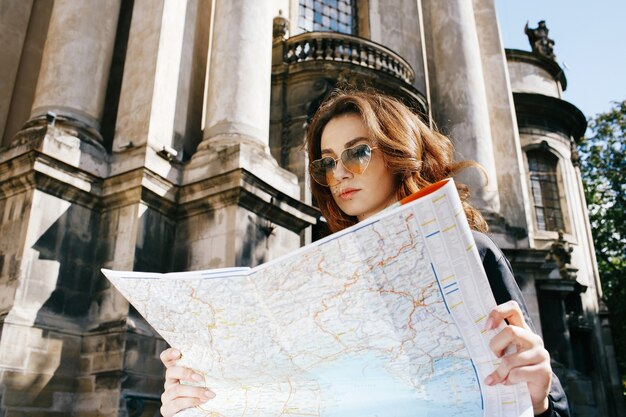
(177, 396)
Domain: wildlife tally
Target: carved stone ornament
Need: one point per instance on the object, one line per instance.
(281, 26)
(561, 254)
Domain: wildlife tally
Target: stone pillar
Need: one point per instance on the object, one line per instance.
(513, 193)
(152, 91)
(13, 28)
(47, 287)
(399, 29)
(51, 272)
(459, 100)
(76, 61)
(238, 100)
(235, 194)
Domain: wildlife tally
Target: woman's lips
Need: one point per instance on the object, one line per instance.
(348, 193)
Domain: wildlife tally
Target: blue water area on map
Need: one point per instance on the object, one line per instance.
(360, 386)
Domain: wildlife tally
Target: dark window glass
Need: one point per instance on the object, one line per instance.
(328, 15)
(545, 189)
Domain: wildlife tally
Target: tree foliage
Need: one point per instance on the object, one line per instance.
(603, 169)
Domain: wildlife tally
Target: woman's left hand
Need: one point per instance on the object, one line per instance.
(529, 363)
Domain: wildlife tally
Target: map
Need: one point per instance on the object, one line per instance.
(382, 319)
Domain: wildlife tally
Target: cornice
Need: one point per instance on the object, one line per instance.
(549, 112)
(553, 68)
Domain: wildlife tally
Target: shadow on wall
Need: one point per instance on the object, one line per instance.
(70, 242)
(255, 247)
(54, 297)
(85, 364)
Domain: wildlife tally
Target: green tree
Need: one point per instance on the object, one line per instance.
(603, 168)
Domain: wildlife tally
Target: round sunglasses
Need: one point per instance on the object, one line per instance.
(354, 159)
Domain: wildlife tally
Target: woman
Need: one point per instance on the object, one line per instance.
(368, 151)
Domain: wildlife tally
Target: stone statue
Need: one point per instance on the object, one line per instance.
(281, 26)
(561, 254)
(539, 41)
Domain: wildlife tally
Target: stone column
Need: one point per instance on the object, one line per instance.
(242, 207)
(13, 28)
(154, 89)
(513, 193)
(399, 29)
(76, 61)
(459, 100)
(238, 99)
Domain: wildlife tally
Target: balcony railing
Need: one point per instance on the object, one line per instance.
(337, 47)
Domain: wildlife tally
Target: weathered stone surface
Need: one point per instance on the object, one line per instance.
(459, 100)
(61, 87)
(107, 361)
(242, 50)
(108, 380)
(13, 27)
(400, 31)
(29, 413)
(85, 384)
(26, 388)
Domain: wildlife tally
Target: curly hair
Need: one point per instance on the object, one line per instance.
(415, 154)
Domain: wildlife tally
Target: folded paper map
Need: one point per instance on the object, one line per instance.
(384, 318)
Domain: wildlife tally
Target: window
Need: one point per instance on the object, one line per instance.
(328, 15)
(545, 190)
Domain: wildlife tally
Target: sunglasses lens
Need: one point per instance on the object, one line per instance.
(322, 171)
(357, 158)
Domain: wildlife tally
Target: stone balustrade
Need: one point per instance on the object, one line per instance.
(337, 47)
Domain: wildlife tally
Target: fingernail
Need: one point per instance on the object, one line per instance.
(489, 323)
(489, 380)
(197, 377)
(175, 353)
(209, 394)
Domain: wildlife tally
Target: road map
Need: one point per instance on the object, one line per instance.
(382, 319)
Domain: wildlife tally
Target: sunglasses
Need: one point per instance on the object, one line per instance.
(354, 159)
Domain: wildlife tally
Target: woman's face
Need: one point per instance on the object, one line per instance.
(360, 195)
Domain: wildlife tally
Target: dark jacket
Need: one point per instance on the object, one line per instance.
(504, 287)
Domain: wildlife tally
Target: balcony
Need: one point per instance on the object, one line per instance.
(336, 59)
(351, 50)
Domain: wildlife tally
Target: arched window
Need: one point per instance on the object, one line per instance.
(544, 183)
(328, 15)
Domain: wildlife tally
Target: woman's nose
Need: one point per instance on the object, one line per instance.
(340, 172)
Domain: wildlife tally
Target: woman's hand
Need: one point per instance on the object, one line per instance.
(530, 362)
(177, 396)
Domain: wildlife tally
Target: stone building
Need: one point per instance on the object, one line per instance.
(167, 135)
